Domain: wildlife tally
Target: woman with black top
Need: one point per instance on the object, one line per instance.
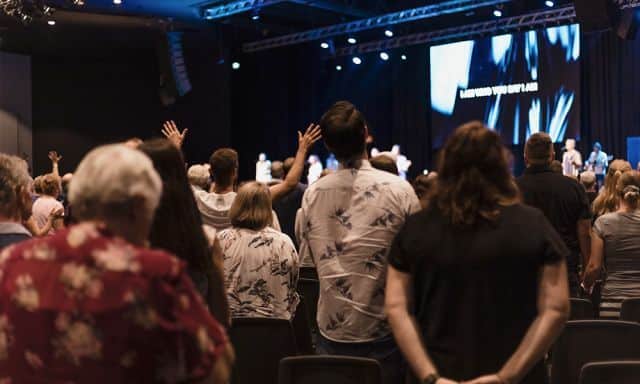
(477, 283)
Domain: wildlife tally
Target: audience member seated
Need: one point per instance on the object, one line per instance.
(588, 180)
(48, 202)
(348, 220)
(199, 178)
(185, 237)
(615, 244)
(15, 200)
(260, 263)
(277, 172)
(287, 206)
(424, 185)
(608, 198)
(562, 200)
(93, 304)
(462, 301)
(384, 163)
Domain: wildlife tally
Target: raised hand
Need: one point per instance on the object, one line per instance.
(310, 136)
(54, 157)
(56, 214)
(170, 131)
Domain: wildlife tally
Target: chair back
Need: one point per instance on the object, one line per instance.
(587, 341)
(618, 372)
(581, 309)
(329, 370)
(260, 344)
(630, 310)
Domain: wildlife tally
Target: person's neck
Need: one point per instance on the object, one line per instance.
(624, 208)
(124, 229)
(9, 219)
(223, 190)
(356, 160)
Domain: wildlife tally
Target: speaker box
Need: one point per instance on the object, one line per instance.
(633, 150)
(174, 79)
(596, 15)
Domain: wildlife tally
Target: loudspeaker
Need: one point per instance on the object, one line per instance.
(174, 79)
(596, 15)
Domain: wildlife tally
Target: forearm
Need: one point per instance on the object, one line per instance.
(584, 240)
(293, 177)
(537, 341)
(406, 334)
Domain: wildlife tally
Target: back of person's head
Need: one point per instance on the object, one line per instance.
(177, 225)
(588, 179)
(556, 166)
(539, 149)
(628, 189)
(50, 185)
(251, 208)
(473, 176)
(198, 176)
(287, 165)
(113, 180)
(14, 187)
(597, 146)
(384, 163)
(608, 199)
(424, 186)
(37, 185)
(344, 130)
(224, 167)
(277, 169)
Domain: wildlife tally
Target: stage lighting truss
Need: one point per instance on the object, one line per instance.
(625, 4)
(26, 10)
(381, 21)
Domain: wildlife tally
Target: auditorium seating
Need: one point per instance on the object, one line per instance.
(581, 309)
(615, 372)
(630, 310)
(260, 344)
(329, 370)
(587, 341)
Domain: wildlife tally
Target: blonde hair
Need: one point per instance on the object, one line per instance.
(198, 175)
(607, 200)
(628, 188)
(50, 185)
(14, 177)
(251, 208)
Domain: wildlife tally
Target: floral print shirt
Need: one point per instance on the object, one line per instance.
(83, 306)
(261, 273)
(346, 225)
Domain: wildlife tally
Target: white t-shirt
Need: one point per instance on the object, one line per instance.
(42, 209)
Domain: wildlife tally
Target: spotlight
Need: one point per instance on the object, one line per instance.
(255, 17)
(338, 68)
(356, 60)
(497, 13)
(352, 40)
(79, 3)
(48, 11)
(117, 2)
(549, 3)
(51, 22)
(235, 65)
(388, 33)
(404, 57)
(324, 45)
(384, 56)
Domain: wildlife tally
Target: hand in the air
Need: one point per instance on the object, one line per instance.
(170, 131)
(54, 157)
(310, 136)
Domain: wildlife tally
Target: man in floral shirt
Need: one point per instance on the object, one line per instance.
(92, 304)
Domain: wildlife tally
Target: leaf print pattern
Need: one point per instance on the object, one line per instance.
(80, 280)
(335, 322)
(331, 252)
(377, 261)
(343, 286)
(342, 218)
(77, 339)
(26, 296)
(387, 219)
(261, 241)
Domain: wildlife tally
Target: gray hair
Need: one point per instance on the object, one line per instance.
(198, 175)
(14, 174)
(109, 178)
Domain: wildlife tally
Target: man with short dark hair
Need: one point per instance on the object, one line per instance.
(347, 223)
(562, 200)
(287, 206)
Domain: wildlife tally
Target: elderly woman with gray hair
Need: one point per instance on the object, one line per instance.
(93, 304)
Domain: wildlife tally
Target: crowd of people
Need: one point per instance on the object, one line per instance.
(132, 268)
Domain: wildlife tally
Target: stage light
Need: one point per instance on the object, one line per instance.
(356, 60)
(549, 3)
(255, 17)
(497, 13)
(338, 68)
(384, 56)
(352, 40)
(404, 57)
(324, 45)
(117, 2)
(51, 22)
(388, 33)
(235, 65)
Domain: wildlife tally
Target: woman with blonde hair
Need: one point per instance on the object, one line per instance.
(607, 200)
(615, 239)
(260, 263)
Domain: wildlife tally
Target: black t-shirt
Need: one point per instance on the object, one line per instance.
(476, 289)
(287, 207)
(562, 200)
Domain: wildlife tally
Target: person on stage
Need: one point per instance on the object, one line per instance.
(598, 163)
(401, 161)
(263, 169)
(571, 160)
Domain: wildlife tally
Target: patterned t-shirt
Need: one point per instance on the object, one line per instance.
(347, 223)
(261, 273)
(83, 306)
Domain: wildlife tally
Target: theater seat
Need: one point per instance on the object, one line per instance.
(260, 344)
(615, 372)
(581, 309)
(329, 370)
(588, 341)
(630, 311)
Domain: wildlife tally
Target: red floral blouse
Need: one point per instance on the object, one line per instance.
(83, 306)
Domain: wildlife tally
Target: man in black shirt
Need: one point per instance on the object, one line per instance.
(562, 200)
(287, 206)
